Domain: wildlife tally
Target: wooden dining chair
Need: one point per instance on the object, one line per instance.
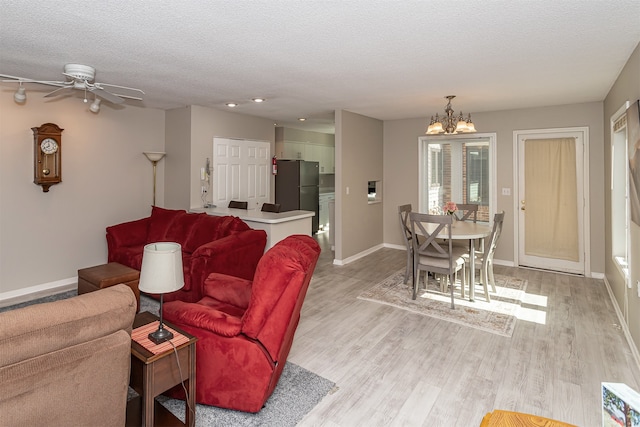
(238, 205)
(484, 259)
(407, 237)
(467, 212)
(270, 207)
(435, 256)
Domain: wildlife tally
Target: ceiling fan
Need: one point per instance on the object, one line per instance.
(80, 77)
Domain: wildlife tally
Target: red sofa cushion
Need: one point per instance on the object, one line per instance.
(181, 228)
(228, 289)
(159, 223)
(130, 256)
(208, 228)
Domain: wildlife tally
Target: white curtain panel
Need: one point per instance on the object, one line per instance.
(551, 218)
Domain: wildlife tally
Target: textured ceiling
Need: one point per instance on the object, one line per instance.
(383, 59)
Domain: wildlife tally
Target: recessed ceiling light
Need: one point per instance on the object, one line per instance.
(302, 119)
(231, 104)
(258, 99)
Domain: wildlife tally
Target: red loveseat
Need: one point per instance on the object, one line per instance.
(245, 328)
(209, 244)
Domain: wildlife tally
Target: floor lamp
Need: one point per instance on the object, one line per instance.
(161, 272)
(154, 157)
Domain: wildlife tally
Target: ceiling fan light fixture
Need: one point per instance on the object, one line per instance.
(95, 106)
(20, 97)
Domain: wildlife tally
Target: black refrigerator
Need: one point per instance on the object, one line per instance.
(298, 187)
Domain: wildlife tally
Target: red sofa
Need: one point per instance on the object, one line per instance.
(245, 328)
(209, 244)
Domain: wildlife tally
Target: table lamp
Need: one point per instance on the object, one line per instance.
(161, 272)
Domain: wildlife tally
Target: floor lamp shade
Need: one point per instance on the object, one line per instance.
(161, 272)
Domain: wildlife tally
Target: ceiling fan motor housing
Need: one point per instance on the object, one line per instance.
(80, 72)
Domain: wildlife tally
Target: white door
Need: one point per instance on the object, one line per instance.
(241, 171)
(551, 203)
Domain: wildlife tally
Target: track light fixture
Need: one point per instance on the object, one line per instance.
(78, 77)
(95, 106)
(20, 97)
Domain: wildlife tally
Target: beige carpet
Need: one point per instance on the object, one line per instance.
(498, 316)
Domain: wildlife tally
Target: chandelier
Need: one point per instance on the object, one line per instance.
(450, 124)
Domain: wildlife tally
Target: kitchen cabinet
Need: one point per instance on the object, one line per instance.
(293, 150)
(325, 198)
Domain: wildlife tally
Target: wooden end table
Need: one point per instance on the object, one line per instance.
(105, 275)
(153, 374)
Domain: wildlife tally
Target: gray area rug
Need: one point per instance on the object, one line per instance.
(298, 390)
(498, 316)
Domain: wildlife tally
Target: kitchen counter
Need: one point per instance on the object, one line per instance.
(276, 225)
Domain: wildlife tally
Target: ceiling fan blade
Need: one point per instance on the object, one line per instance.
(56, 92)
(133, 89)
(106, 95)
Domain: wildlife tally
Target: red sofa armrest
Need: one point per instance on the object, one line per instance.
(201, 316)
(130, 233)
(235, 255)
(228, 289)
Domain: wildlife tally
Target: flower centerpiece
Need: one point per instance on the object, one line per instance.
(450, 208)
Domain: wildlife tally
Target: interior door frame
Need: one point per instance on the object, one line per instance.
(586, 216)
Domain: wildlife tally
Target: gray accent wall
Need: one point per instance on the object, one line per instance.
(401, 166)
(46, 237)
(626, 88)
(359, 159)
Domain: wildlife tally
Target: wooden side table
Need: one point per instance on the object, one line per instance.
(105, 275)
(153, 374)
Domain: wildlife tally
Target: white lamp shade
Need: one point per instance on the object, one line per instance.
(161, 270)
(154, 156)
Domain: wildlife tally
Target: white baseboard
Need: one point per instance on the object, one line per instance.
(393, 246)
(357, 256)
(38, 291)
(504, 263)
(623, 324)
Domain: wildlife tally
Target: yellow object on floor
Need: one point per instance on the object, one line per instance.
(500, 418)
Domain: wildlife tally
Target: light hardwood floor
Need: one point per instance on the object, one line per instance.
(395, 368)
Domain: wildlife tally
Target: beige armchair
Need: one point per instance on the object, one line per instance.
(66, 363)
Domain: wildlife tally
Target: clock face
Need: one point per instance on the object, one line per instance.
(49, 146)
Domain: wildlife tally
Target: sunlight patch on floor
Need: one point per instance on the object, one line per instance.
(500, 302)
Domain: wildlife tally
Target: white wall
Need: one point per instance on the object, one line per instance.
(46, 237)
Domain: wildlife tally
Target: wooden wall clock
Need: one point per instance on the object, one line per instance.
(47, 155)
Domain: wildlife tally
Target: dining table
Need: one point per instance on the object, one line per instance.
(465, 230)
